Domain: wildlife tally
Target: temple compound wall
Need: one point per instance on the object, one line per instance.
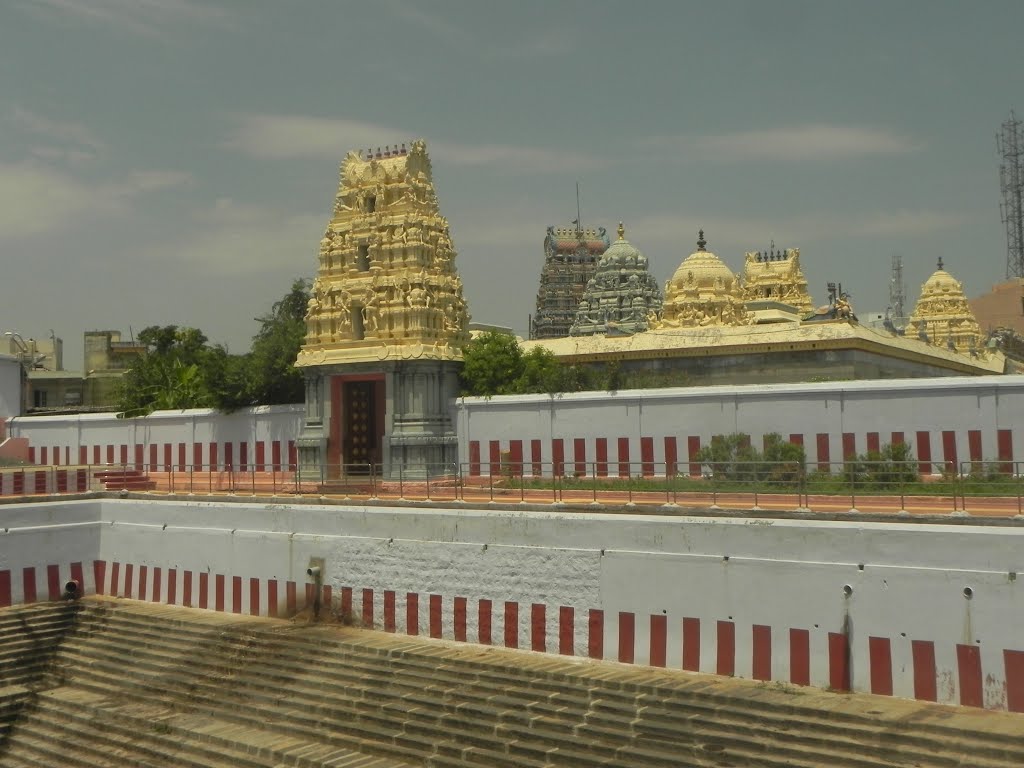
(946, 421)
(932, 612)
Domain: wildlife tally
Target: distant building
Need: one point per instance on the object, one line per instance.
(1002, 307)
(570, 261)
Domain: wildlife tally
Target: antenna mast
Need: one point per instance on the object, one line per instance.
(1011, 181)
(579, 218)
(897, 293)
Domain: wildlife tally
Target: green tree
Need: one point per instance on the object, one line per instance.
(541, 372)
(270, 375)
(492, 365)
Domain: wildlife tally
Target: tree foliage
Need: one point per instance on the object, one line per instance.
(732, 457)
(180, 369)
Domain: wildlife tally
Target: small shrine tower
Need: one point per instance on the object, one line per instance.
(385, 326)
(942, 316)
(622, 296)
(776, 276)
(570, 260)
(703, 291)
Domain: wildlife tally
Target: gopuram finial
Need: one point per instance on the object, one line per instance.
(940, 262)
(701, 242)
(622, 231)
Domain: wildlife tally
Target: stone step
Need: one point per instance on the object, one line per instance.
(808, 741)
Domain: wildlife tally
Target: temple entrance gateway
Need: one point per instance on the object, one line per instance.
(356, 432)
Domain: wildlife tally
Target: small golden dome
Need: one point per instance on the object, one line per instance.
(941, 282)
(703, 269)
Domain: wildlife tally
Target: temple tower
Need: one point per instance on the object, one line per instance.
(385, 326)
(622, 294)
(570, 260)
(776, 276)
(703, 291)
(942, 316)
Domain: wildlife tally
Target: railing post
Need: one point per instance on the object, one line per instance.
(401, 483)
(593, 470)
(629, 483)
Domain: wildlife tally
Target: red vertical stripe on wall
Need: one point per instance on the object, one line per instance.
(974, 444)
(83, 454)
(212, 458)
(261, 456)
(535, 458)
(254, 597)
(99, 576)
(671, 456)
(459, 619)
(726, 648)
(1013, 662)
(243, 457)
(949, 456)
(293, 456)
(220, 592)
(122, 454)
(229, 456)
(186, 589)
(291, 598)
(659, 640)
(5, 589)
(627, 637)
(968, 664)
(1004, 446)
(601, 454)
(821, 443)
(157, 584)
(435, 616)
(896, 438)
(511, 624)
(691, 644)
(880, 661)
(95, 455)
(389, 610)
(579, 454)
(557, 457)
(692, 449)
(28, 584)
(197, 456)
(327, 597)
(182, 460)
(204, 590)
(53, 582)
(412, 613)
(168, 461)
(799, 657)
(32, 455)
(272, 598)
(40, 485)
(595, 634)
(484, 622)
(275, 455)
(874, 443)
(623, 456)
(566, 630)
(172, 586)
(44, 455)
(647, 456)
(838, 661)
(538, 627)
(474, 458)
(924, 452)
(115, 579)
(494, 457)
(140, 456)
(515, 450)
(129, 574)
(796, 439)
(143, 581)
(346, 604)
(762, 650)
(368, 608)
(152, 457)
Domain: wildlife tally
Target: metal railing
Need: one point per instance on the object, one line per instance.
(965, 487)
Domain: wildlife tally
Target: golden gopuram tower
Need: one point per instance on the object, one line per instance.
(942, 317)
(776, 276)
(385, 325)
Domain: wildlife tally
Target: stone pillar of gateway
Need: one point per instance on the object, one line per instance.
(385, 326)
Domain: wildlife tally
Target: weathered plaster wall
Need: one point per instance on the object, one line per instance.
(879, 607)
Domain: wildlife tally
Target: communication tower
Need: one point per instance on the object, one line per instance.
(1011, 179)
(897, 293)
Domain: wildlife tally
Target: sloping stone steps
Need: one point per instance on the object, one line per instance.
(138, 684)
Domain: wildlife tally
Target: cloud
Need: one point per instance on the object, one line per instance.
(65, 132)
(36, 199)
(298, 136)
(233, 238)
(815, 141)
(144, 17)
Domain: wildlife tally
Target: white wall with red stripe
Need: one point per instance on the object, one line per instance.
(933, 612)
(946, 421)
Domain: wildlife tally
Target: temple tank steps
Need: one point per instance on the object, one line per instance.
(148, 685)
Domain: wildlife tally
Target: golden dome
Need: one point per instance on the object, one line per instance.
(941, 282)
(942, 316)
(702, 269)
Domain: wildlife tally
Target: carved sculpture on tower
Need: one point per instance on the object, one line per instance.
(942, 316)
(571, 255)
(386, 322)
(776, 275)
(621, 296)
(703, 292)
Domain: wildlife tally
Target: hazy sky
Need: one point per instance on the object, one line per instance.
(175, 161)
